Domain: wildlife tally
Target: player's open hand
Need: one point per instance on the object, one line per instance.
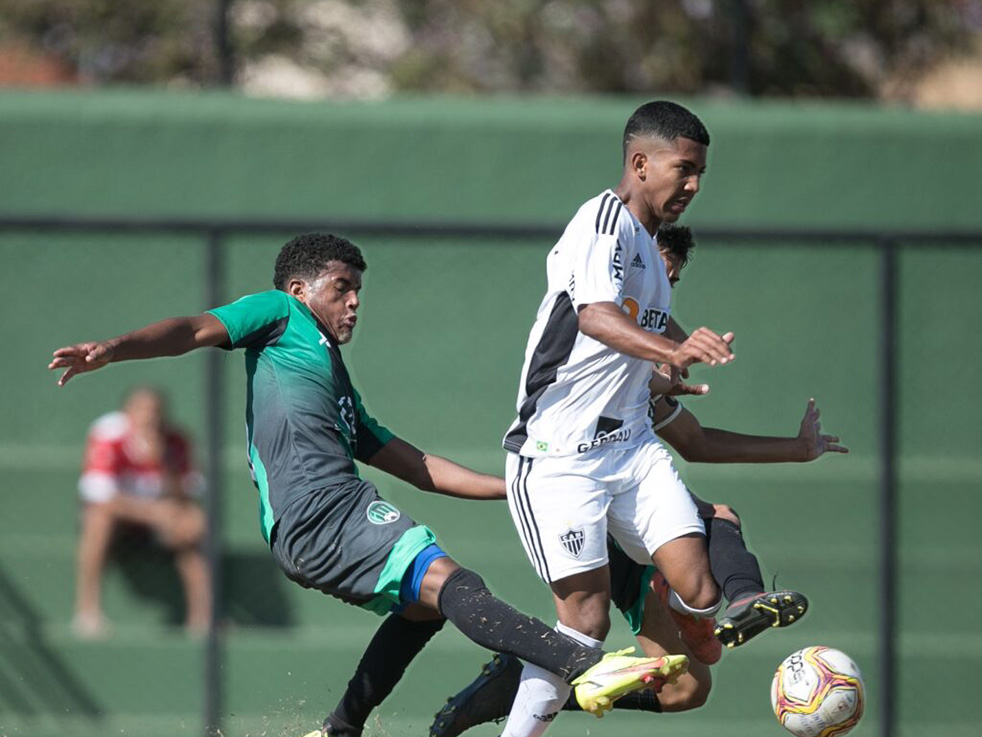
(815, 443)
(703, 346)
(81, 357)
(667, 380)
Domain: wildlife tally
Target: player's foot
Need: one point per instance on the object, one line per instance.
(619, 673)
(697, 634)
(91, 626)
(487, 699)
(751, 615)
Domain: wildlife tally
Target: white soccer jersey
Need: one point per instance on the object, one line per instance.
(577, 394)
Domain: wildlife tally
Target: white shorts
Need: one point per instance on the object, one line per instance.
(563, 507)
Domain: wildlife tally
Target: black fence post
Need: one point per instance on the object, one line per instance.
(888, 484)
(739, 20)
(221, 33)
(214, 414)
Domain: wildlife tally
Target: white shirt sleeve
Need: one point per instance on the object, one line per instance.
(598, 271)
(98, 486)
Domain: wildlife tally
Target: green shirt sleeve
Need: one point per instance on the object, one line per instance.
(256, 320)
(372, 436)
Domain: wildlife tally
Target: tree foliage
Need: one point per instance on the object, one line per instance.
(769, 47)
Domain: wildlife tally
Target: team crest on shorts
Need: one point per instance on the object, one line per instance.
(572, 540)
(382, 513)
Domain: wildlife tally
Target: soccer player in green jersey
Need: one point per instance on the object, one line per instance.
(327, 528)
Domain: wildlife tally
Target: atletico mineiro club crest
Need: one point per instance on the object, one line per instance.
(572, 541)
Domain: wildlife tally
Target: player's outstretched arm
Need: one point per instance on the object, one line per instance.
(610, 325)
(672, 384)
(172, 337)
(710, 445)
(433, 473)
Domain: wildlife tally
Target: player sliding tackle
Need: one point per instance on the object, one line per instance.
(330, 530)
(638, 590)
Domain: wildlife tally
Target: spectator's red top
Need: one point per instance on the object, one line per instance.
(114, 463)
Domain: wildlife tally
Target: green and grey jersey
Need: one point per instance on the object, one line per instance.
(305, 422)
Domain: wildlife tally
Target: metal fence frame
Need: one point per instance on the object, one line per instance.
(215, 232)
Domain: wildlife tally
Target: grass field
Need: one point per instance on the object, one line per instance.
(280, 679)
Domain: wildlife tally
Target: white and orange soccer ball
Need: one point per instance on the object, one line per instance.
(818, 692)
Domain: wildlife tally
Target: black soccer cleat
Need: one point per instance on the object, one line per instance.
(748, 617)
(487, 699)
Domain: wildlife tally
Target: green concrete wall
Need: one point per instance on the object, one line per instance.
(508, 159)
(437, 358)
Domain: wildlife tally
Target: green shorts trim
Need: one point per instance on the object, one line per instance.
(404, 552)
(635, 614)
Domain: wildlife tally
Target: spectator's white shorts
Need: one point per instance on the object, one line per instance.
(563, 507)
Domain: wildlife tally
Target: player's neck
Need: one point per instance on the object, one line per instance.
(636, 205)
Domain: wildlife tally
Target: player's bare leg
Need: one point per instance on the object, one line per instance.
(583, 602)
(193, 570)
(98, 525)
(751, 610)
(686, 586)
(489, 697)
(583, 605)
(461, 596)
(181, 526)
(659, 636)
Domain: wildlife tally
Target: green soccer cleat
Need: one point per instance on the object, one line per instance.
(748, 617)
(619, 673)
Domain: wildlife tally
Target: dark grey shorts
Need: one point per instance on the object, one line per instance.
(348, 542)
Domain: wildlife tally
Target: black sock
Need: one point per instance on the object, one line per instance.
(734, 567)
(489, 622)
(386, 658)
(643, 700)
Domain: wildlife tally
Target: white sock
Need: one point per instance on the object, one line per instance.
(584, 640)
(541, 694)
(675, 601)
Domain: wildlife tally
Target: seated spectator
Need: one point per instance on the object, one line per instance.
(138, 480)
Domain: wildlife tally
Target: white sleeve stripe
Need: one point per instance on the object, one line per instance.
(668, 420)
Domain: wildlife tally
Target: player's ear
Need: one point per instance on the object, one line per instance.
(297, 288)
(639, 164)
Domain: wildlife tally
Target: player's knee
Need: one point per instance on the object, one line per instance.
(194, 523)
(698, 695)
(688, 694)
(726, 512)
(183, 528)
(593, 622)
(441, 569)
(704, 593)
(446, 585)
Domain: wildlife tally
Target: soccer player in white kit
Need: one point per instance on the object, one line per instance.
(583, 460)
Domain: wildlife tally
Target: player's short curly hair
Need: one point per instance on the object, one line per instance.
(666, 120)
(306, 256)
(676, 240)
